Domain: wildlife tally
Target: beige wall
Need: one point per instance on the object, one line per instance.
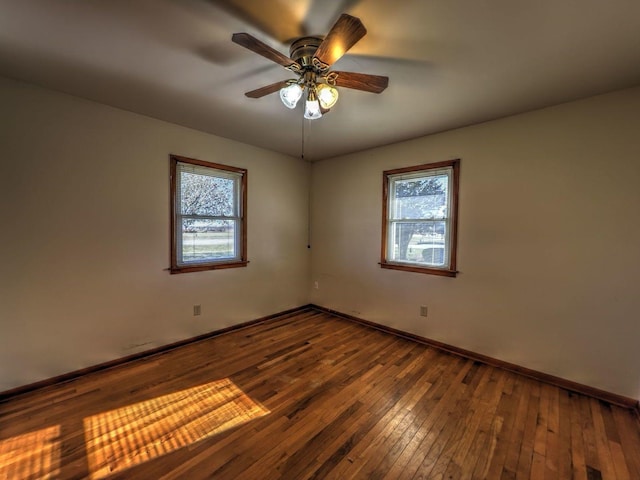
(549, 241)
(84, 199)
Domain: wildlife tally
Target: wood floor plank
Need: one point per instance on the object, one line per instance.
(540, 441)
(564, 444)
(602, 445)
(473, 463)
(577, 446)
(487, 437)
(627, 425)
(525, 457)
(511, 409)
(311, 396)
(553, 433)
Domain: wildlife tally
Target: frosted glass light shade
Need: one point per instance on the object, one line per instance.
(327, 96)
(290, 95)
(312, 110)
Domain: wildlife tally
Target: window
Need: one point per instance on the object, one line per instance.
(208, 216)
(419, 218)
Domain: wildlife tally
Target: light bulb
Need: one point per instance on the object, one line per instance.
(312, 110)
(327, 96)
(312, 107)
(290, 95)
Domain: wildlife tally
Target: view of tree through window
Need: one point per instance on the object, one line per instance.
(419, 217)
(203, 237)
(208, 208)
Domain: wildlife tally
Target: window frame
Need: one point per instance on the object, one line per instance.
(241, 261)
(387, 176)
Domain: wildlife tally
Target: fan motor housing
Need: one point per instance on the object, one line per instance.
(303, 49)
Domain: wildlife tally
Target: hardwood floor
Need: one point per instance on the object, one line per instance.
(309, 396)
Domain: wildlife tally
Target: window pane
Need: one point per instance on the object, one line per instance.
(423, 242)
(424, 197)
(206, 195)
(208, 240)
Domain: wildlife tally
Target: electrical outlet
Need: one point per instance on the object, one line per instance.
(423, 310)
(316, 285)
(197, 310)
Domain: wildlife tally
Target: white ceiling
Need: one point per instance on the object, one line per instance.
(450, 62)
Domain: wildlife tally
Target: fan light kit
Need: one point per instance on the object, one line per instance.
(311, 59)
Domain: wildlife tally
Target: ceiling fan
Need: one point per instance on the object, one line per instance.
(311, 58)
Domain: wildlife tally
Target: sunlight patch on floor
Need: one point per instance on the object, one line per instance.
(134, 434)
(31, 455)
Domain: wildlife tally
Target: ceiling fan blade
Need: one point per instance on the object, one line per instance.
(262, 91)
(344, 34)
(261, 48)
(360, 81)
